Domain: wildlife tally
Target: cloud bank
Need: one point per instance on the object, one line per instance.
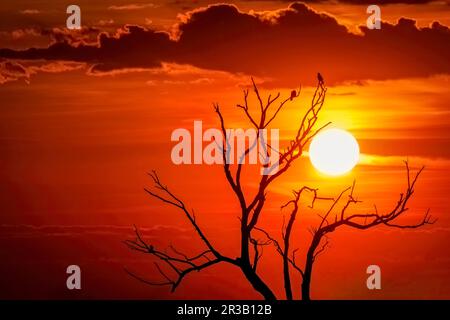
(287, 46)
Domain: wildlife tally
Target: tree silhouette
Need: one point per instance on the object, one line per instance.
(319, 240)
(251, 208)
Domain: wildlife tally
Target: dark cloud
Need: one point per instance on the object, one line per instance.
(288, 45)
(131, 47)
(85, 35)
(12, 71)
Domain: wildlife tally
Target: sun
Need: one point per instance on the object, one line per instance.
(334, 152)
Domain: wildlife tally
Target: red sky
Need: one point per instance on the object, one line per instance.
(87, 114)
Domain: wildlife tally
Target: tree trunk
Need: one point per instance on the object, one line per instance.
(307, 273)
(287, 239)
(257, 283)
(287, 278)
(306, 283)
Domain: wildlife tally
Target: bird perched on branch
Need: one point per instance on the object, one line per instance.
(320, 78)
(293, 94)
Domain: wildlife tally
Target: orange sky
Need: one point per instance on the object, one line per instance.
(80, 129)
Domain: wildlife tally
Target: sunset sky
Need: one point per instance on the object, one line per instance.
(85, 114)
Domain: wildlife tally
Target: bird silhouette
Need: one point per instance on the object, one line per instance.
(293, 94)
(320, 78)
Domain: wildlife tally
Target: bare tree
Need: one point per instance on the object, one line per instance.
(333, 220)
(251, 208)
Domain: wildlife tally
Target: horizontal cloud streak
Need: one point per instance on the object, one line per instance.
(379, 161)
(13, 70)
(131, 6)
(379, 2)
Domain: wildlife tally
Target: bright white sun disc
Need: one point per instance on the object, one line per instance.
(334, 152)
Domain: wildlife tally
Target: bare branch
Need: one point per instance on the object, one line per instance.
(370, 220)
